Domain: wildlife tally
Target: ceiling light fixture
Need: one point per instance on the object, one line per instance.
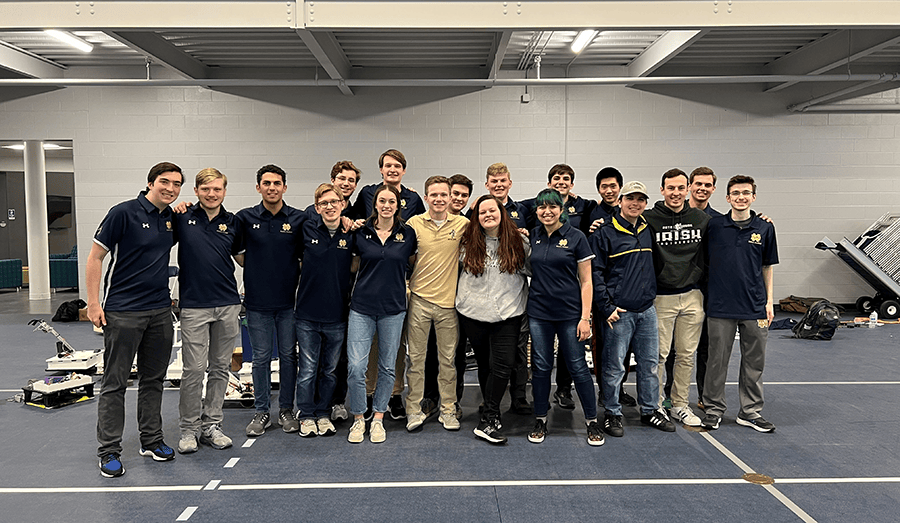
(70, 39)
(583, 39)
(47, 147)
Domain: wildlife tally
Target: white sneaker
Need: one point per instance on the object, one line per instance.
(376, 431)
(357, 431)
(326, 428)
(339, 411)
(308, 428)
(685, 415)
(449, 421)
(187, 443)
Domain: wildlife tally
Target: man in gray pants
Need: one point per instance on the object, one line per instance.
(742, 250)
(209, 311)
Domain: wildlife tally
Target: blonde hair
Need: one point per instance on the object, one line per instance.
(209, 174)
(324, 188)
(496, 169)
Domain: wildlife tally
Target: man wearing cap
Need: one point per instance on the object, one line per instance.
(624, 290)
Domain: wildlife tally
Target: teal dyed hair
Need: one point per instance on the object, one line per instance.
(552, 197)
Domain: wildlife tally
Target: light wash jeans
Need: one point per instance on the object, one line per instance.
(640, 330)
(360, 330)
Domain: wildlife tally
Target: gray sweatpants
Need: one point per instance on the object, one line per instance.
(754, 334)
(207, 345)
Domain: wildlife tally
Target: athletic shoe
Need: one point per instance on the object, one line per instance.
(414, 421)
(521, 406)
(257, 427)
(429, 407)
(612, 425)
(538, 432)
(187, 444)
(376, 431)
(658, 420)
(308, 428)
(369, 412)
(685, 415)
(626, 400)
(159, 452)
(490, 432)
(595, 434)
(711, 421)
(215, 438)
(357, 431)
(396, 408)
(339, 411)
(759, 424)
(111, 466)
(563, 397)
(324, 427)
(288, 421)
(449, 421)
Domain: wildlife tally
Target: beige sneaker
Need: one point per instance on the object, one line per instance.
(414, 421)
(376, 431)
(357, 431)
(449, 421)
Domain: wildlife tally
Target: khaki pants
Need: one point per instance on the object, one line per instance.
(680, 316)
(422, 314)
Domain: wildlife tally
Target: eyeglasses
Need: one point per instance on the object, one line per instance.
(735, 194)
(329, 203)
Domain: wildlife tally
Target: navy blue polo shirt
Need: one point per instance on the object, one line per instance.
(576, 208)
(381, 280)
(555, 293)
(206, 269)
(138, 237)
(602, 211)
(517, 213)
(410, 203)
(737, 289)
(324, 289)
(270, 245)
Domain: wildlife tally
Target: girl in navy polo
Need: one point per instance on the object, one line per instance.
(384, 248)
(559, 305)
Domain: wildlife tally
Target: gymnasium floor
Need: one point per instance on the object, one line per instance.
(832, 457)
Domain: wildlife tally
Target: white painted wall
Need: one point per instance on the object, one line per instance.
(818, 175)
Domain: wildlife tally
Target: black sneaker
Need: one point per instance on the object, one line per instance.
(538, 432)
(396, 408)
(612, 425)
(258, 425)
(369, 412)
(159, 452)
(759, 424)
(658, 420)
(595, 434)
(429, 407)
(626, 400)
(521, 406)
(489, 431)
(710, 422)
(563, 397)
(111, 466)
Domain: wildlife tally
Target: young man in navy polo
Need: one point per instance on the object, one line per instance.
(320, 315)
(210, 305)
(624, 290)
(136, 313)
(269, 240)
(742, 251)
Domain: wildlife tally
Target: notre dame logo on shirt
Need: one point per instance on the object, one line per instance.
(286, 228)
(756, 239)
(398, 237)
(571, 210)
(563, 244)
(514, 215)
(342, 244)
(168, 226)
(223, 227)
(403, 204)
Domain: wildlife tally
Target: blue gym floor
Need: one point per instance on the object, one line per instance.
(832, 456)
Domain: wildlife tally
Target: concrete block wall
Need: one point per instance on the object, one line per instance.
(818, 174)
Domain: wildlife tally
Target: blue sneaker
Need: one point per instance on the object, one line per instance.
(159, 452)
(111, 466)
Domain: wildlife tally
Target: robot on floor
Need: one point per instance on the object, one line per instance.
(68, 359)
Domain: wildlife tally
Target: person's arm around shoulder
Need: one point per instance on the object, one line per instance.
(92, 279)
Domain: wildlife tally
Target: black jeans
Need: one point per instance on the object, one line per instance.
(495, 346)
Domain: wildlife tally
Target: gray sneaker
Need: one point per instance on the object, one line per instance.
(449, 421)
(188, 443)
(339, 411)
(215, 438)
(257, 427)
(288, 421)
(414, 421)
(357, 431)
(324, 427)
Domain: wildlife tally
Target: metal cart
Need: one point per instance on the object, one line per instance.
(875, 256)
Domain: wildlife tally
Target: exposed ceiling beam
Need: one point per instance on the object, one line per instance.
(662, 50)
(831, 51)
(162, 52)
(27, 64)
(325, 47)
(498, 51)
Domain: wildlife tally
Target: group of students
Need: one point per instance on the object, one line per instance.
(364, 289)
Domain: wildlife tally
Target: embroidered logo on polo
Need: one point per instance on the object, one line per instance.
(403, 203)
(168, 226)
(453, 234)
(314, 241)
(256, 226)
(756, 239)
(514, 215)
(398, 237)
(286, 227)
(223, 227)
(563, 243)
(572, 210)
(192, 222)
(145, 225)
(98, 231)
(342, 244)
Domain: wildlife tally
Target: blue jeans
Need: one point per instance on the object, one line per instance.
(640, 330)
(264, 327)
(572, 350)
(360, 330)
(320, 344)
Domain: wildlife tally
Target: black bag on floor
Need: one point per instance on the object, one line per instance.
(819, 322)
(68, 311)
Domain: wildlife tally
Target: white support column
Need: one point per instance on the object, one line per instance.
(36, 216)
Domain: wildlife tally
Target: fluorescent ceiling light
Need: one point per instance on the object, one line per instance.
(47, 147)
(582, 40)
(70, 39)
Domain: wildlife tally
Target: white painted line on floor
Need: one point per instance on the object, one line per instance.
(488, 483)
(95, 490)
(728, 454)
(808, 481)
(186, 515)
(247, 444)
(212, 484)
(231, 463)
(829, 383)
(789, 504)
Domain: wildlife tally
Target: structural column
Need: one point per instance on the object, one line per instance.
(36, 218)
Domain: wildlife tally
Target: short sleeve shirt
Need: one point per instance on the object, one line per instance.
(410, 203)
(555, 292)
(435, 275)
(324, 290)
(381, 280)
(206, 269)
